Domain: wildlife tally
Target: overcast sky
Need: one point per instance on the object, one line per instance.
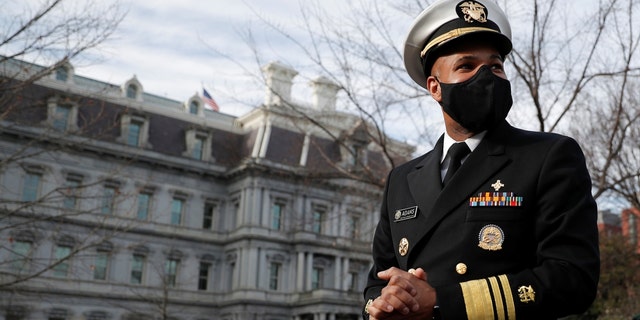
(170, 46)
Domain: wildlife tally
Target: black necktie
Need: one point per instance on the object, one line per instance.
(456, 152)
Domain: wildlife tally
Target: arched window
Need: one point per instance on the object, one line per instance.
(132, 91)
(194, 107)
(62, 74)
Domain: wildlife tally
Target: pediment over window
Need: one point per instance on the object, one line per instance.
(105, 246)
(65, 240)
(209, 258)
(141, 250)
(175, 254)
(23, 235)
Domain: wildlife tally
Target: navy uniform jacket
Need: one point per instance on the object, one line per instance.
(512, 235)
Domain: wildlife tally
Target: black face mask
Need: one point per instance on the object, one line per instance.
(479, 103)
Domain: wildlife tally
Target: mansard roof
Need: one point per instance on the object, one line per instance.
(267, 135)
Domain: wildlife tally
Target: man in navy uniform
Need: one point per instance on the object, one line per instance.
(495, 222)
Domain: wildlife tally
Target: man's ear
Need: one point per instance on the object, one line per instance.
(434, 88)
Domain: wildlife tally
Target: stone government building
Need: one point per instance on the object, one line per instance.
(119, 204)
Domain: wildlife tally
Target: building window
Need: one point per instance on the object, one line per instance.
(109, 196)
(61, 255)
(61, 117)
(15, 312)
(58, 314)
(21, 253)
(354, 285)
(31, 187)
(97, 315)
(231, 275)
(177, 211)
(171, 271)
(207, 216)
(137, 268)
(274, 275)
(144, 203)
(101, 265)
(132, 91)
(633, 229)
(277, 211)
(203, 275)
(62, 114)
(198, 147)
(317, 278)
(62, 74)
(134, 133)
(134, 130)
(354, 223)
(71, 191)
(198, 144)
(319, 217)
(355, 151)
(194, 107)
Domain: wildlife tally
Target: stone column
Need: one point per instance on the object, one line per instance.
(339, 272)
(300, 272)
(309, 270)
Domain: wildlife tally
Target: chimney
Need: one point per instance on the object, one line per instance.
(279, 81)
(324, 94)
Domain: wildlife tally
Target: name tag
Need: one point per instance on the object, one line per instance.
(405, 214)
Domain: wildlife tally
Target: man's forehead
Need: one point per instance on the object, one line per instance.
(472, 51)
(477, 56)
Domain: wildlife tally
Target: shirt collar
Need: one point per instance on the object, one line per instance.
(472, 143)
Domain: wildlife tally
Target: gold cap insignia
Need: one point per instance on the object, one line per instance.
(403, 247)
(491, 237)
(472, 11)
(526, 294)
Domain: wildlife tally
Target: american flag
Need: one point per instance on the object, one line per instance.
(208, 100)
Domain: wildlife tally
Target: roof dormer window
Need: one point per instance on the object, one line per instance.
(62, 74)
(194, 107)
(132, 91)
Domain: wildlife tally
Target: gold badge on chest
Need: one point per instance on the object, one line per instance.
(491, 237)
(403, 247)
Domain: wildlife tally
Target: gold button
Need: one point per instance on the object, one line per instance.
(461, 268)
(403, 247)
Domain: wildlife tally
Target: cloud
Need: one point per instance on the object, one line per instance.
(169, 46)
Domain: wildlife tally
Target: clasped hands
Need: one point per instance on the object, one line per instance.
(407, 295)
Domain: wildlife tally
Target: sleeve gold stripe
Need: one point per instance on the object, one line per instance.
(477, 299)
(508, 296)
(497, 298)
